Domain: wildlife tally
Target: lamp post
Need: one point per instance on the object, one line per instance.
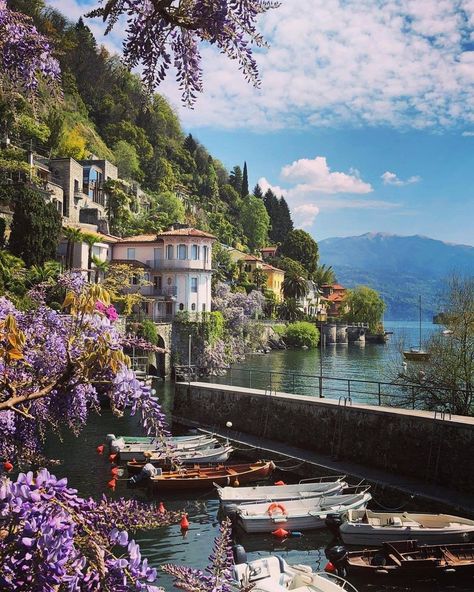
(321, 337)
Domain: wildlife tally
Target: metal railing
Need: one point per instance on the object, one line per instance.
(191, 264)
(165, 292)
(370, 392)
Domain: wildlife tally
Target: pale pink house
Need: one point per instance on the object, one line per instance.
(177, 263)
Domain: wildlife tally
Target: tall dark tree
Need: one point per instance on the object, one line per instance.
(257, 191)
(285, 223)
(35, 228)
(235, 179)
(190, 144)
(300, 246)
(245, 182)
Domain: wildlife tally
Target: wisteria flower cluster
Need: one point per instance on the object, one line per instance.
(161, 34)
(50, 538)
(217, 577)
(54, 368)
(25, 55)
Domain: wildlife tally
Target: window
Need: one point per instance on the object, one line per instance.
(134, 279)
(182, 252)
(203, 307)
(195, 252)
(169, 281)
(193, 307)
(169, 252)
(206, 253)
(181, 306)
(131, 254)
(157, 282)
(194, 284)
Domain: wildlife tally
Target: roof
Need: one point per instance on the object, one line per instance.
(269, 248)
(271, 268)
(333, 286)
(251, 258)
(153, 238)
(335, 298)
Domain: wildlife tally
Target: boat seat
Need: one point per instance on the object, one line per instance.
(395, 560)
(300, 580)
(232, 472)
(375, 522)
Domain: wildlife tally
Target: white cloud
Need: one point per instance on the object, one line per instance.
(317, 189)
(389, 178)
(468, 134)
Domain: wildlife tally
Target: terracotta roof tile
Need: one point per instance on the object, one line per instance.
(187, 232)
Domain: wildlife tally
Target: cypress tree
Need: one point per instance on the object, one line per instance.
(285, 223)
(190, 144)
(270, 201)
(35, 228)
(257, 191)
(245, 182)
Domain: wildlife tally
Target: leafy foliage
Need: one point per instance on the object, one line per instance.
(364, 305)
(256, 222)
(301, 247)
(302, 334)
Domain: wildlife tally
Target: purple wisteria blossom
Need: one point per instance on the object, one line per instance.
(51, 539)
(25, 55)
(160, 34)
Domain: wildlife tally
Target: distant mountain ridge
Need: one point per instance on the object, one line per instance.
(400, 267)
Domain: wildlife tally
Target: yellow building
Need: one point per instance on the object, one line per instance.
(249, 263)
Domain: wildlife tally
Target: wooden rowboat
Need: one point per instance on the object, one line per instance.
(216, 455)
(205, 477)
(408, 559)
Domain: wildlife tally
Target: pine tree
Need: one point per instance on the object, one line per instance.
(245, 182)
(270, 201)
(190, 144)
(285, 223)
(235, 179)
(257, 191)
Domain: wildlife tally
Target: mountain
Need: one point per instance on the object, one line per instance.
(401, 268)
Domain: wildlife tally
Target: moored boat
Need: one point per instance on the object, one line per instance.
(231, 497)
(140, 451)
(406, 559)
(205, 477)
(371, 528)
(219, 454)
(274, 574)
(301, 514)
(151, 440)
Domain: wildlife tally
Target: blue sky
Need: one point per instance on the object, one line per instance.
(365, 117)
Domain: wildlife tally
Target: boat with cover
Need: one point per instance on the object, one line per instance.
(274, 574)
(200, 477)
(364, 527)
(300, 514)
(406, 559)
(151, 440)
(231, 497)
(138, 451)
(219, 454)
(417, 354)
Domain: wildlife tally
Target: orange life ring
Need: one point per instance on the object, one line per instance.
(275, 506)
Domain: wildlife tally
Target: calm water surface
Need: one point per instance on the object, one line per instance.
(89, 472)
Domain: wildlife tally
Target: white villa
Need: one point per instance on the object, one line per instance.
(178, 263)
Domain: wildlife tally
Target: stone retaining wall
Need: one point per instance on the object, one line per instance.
(404, 442)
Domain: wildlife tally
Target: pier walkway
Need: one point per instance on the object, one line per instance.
(414, 488)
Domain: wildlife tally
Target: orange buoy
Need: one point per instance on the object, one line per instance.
(112, 483)
(280, 483)
(236, 482)
(7, 465)
(281, 533)
(161, 508)
(114, 471)
(276, 507)
(184, 522)
(112, 457)
(100, 449)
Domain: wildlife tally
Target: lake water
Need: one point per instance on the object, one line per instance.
(89, 472)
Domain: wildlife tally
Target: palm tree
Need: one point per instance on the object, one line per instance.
(37, 274)
(290, 310)
(324, 274)
(73, 236)
(90, 240)
(100, 266)
(294, 286)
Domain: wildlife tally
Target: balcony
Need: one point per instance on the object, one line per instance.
(173, 264)
(167, 292)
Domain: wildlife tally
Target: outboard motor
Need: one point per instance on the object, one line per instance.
(147, 472)
(333, 522)
(116, 445)
(109, 438)
(240, 556)
(338, 555)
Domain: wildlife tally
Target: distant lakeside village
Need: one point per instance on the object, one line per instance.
(183, 275)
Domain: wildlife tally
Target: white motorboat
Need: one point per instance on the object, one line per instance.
(136, 451)
(112, 438)
(273, 574)
(300, 514)
(217, 454)
(231, 497)
(374, 528)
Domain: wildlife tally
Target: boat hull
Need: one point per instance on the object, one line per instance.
(216, 457)
(358, 537)
(414, 356)
(136, 452)
(205, 479)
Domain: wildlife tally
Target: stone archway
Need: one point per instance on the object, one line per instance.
(163, 361)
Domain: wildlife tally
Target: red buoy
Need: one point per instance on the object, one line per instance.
(161, 508)
(112, 483)
(330, 567)
(100, 449)
(281, 533)
(114, 471)
(280, 483)
(7, 465)
(112, 457)
(184, 522)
